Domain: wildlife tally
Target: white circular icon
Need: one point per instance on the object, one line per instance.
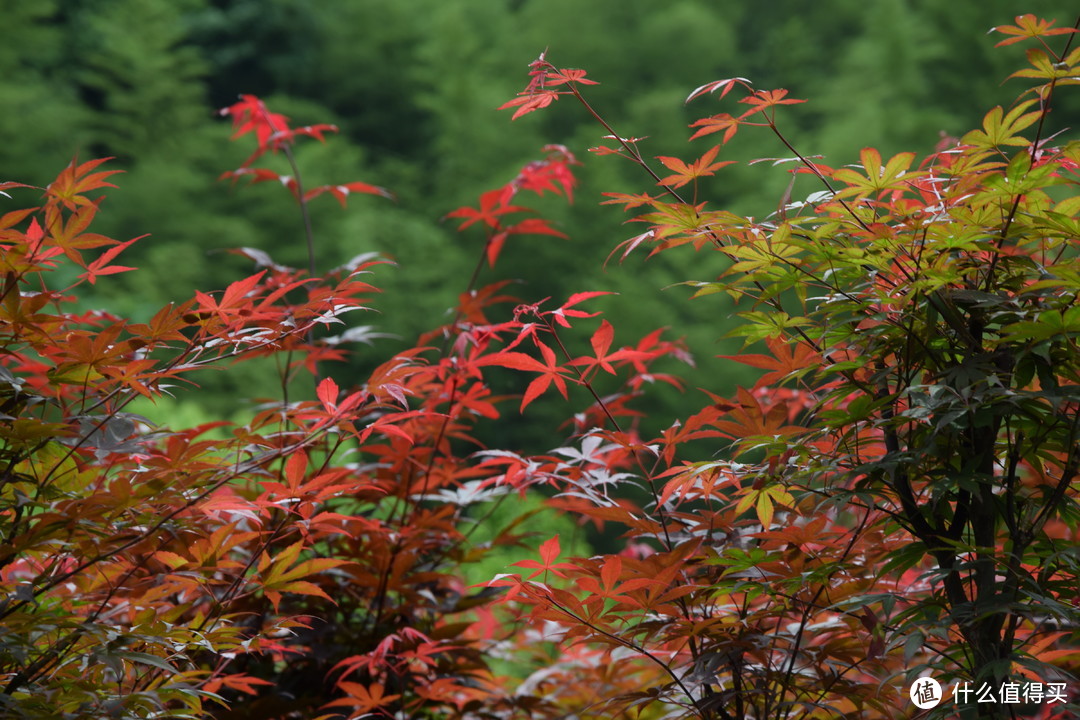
(925, 692)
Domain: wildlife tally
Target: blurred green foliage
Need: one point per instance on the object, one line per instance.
(413, 85)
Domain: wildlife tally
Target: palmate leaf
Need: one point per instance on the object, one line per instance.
(875, 177)
(788, 359)
(550, 550)
(286, 573)
(342, 192)
(101, 265)
(685, 173)
(550, 371)
(749, 420)
(559, 77)
(724, 86)
(1028, 26)
(364, 698)
(1000, 128)
(722, 122)
(1044, 66)
(543, 75)
(563, 311)
(528, 102)
(550, 174)
(764, 500)
(762, 100)
(250, 114)
(493, 204)
(71, 185)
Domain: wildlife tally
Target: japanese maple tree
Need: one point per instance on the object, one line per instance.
(897, 494)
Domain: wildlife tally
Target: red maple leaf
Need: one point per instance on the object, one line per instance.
(787, 357)
(492, 205)
(702, 167)
(549, 552)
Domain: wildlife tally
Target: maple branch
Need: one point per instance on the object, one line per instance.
(1033, 149)
(587, 384)
(717, 241)
(646, 473)
(309, 237)
(225, 475)
(454, 380)
(632, 149)
(856, 534)
(636, 648)
(813, 168)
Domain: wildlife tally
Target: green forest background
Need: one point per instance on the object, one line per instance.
(413, 86)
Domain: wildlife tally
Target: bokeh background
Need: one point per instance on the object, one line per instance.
(413, 86)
